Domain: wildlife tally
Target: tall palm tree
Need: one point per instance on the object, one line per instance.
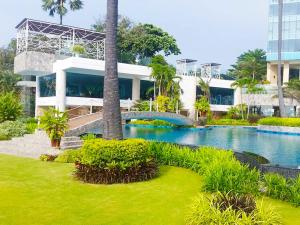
(279, 75)
(59, 7)
(240, 84)
(112, 128)
(204, 86)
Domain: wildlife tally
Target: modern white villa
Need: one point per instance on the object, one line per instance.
(53, 76)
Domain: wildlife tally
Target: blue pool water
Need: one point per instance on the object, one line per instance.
(278, 148)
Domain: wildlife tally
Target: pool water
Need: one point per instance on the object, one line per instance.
(280, 149)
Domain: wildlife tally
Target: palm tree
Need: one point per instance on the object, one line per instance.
(112, 128)
(253, 63)
(240, 84)
(204, 86)
(59, 7)
(279, 76)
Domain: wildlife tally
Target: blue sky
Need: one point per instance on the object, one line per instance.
(206, 30)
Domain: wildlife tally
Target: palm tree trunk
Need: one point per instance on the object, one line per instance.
(241, 108)
(112, 127)
(279, 76)
(61, 16)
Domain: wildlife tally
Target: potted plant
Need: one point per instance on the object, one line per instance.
(78, 50)
(55, 123)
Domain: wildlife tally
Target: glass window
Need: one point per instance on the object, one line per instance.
(91, 86)
(125, 87)
(83, 85)
(221, 96)
(47, 85)
(144, 90)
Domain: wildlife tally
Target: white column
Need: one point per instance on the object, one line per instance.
(136, 87)
(61, 90)
(286, 72)
(37, 95)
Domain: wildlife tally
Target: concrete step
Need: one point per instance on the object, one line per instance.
(70, 147)
(66, 139)
(70, 143)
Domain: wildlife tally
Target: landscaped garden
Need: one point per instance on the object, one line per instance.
(36, 192)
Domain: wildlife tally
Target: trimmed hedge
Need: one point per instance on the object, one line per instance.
(114, 161)
(230, 122)
(220, 169)
(275, 121)
(155, 123)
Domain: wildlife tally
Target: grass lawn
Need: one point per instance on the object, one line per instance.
(35, 192)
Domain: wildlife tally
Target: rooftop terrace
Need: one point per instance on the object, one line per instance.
(52, 38)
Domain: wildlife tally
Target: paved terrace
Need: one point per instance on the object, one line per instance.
(85, 124)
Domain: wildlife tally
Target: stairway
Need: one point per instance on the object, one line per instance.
(82, 120)
(71, 143)
(30, 145)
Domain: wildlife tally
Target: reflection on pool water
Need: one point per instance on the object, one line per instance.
(279, 149)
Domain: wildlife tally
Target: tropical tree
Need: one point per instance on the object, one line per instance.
(112, 127)
(292, 89)
(253, 88)
(202, 106)
(8, 82)
(10, 107)
(59, 7)
(163, 74)
(7, 55)
(137, 43)
(205, 88)
(251, 64)
(240, 84)
(279, 75)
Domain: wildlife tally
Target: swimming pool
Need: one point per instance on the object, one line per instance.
(280, 149)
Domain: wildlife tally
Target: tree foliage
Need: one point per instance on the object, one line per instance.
(140, 42)
(10, 107)
(59, 7)
(251, 64)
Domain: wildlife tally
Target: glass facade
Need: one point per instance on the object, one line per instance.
(291, 30)
(145, 94)
(219, 96)
(47, 85)
(91, 86)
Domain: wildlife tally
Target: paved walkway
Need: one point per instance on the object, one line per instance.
(31, 146)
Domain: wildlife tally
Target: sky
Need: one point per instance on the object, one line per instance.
(205, 30)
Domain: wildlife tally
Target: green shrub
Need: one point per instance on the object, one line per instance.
(295, 191)
(204, 211)
(274, 121)
(231, 175)
(47, 157)
(10, 107)
(103, 161)
(229, 122)
(277, 186)
(220, 170)
(4, 137)
(87, 137)
(12, 129)
(152, 123)
(68, 156)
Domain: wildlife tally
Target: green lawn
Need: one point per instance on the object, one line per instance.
(34, 192)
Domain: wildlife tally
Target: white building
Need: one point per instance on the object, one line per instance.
(59, 79)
